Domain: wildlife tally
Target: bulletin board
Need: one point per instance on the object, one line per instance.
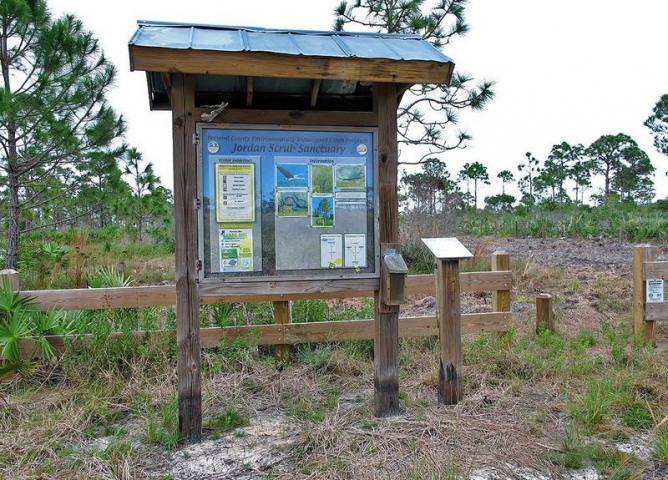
(283, 202)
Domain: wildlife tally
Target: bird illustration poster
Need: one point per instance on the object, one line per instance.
(235, 188)
(292, 175)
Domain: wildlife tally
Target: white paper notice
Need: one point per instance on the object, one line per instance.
(235, 192)
(355, 250)
(654, 290)
(331, 251)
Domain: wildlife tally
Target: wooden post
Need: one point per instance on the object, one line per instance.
(641, 254)
(282, 317)
(187, 301)
(501, 298)
(450, 332)
(544, 313)
(9, 277)
(386, 317)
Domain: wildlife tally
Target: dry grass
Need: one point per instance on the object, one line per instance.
(520, 410)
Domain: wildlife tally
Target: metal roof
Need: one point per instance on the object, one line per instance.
(286, 42)
(281, 69)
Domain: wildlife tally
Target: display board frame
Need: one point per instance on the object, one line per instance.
(241, 231)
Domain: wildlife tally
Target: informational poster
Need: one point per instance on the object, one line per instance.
(654, 289)
(236, 249)
(287, 202)
(331, 251)
(355, 250)
(235, 192)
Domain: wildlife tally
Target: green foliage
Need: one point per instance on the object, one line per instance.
(431, 191)
(657, 122)
(316, 356)
(526, 184)
(626, 169)
(19, 322)
(52, 104)
(637, 417)
(162, 424)
(106, 341)
(427, 109)
(661, 446)
(477, 172)
(107, 277)
(500, 203)
(229, 420)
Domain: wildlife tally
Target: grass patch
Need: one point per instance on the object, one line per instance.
(162, 424)
(229, 420)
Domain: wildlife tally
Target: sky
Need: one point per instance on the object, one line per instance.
(567, 70)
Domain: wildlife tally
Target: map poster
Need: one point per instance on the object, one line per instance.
(331, 251)
(355, 250)
(236, 249)
(235, 192)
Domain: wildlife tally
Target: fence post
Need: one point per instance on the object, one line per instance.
(544, 313)
(282, 317)
(448, 253)
(450, 332)
(641, 254)
(501, 298)
(10, 277)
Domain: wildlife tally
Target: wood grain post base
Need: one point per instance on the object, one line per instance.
(450, 390)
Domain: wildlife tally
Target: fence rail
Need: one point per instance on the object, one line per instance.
(498, 282)
(165, 295)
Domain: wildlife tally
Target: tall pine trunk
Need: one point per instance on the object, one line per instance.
(14, 232)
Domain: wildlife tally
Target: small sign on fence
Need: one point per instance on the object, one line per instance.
(654, 289)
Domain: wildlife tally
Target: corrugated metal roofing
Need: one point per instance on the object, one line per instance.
(297, 42)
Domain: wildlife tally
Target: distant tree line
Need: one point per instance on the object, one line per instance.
(623, 169)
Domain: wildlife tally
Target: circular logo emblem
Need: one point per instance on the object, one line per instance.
(213, 146)
(361, 149)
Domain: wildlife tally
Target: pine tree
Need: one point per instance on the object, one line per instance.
(657, 122)
(426, 110)
(53, 111)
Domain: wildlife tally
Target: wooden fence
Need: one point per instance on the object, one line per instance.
(649, 304)
(498, 281)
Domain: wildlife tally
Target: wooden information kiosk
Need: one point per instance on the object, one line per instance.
(285, 173)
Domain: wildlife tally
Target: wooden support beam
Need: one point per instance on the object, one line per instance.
(450, 388)
(501, 297)
(238, 292)
(386, 339)
(167, 80)
(249, 91)
(294, 333)
(544, 313)
(293, 117)
(282, 318)
(315, 90)
(261, 64)
(187, 301)
(641, 254)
